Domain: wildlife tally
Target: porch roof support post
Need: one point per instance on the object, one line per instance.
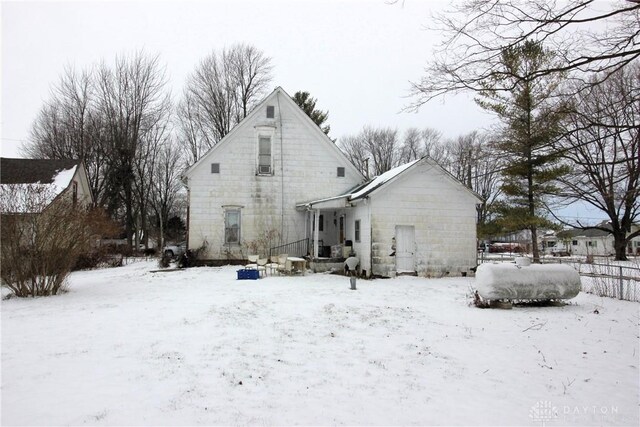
(316, 232)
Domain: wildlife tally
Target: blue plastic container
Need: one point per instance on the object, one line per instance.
(248, 274)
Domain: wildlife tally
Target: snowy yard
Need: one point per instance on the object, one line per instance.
(196, 347)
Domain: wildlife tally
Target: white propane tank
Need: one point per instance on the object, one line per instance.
(535, 282)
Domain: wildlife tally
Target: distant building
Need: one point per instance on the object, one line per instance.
(591, 241)
(28, 186)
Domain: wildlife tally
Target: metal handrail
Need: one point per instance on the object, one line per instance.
(297, 248)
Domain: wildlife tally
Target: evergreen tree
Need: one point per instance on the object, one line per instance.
(531, 122)
(308, 105)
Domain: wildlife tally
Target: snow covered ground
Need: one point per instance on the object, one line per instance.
(196, 347)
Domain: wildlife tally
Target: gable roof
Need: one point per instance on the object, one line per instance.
(362, 191)
(34, 171)
(586, 232)
(380, 180)
(29, 185)
(256, 110)
(392, 175)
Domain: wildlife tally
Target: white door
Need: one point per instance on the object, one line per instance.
(405, 248)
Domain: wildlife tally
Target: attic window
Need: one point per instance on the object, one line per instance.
(271, 111)
(340, 171)
(215, 167)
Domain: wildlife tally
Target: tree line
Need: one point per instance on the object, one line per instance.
(567, 108)
(563, 79)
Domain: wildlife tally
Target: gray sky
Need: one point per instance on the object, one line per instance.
(355, 57)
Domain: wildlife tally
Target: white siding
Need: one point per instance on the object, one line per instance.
(304, 168)
(443, 213)
(363, 248)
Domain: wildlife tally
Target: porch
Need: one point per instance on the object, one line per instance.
(319, 264)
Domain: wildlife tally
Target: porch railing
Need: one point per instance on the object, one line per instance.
(299, 248)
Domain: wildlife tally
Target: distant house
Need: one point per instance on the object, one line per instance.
(276, 183)
(592, 241)
(27, 186)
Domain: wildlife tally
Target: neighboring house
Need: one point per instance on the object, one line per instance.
(591, 241)
(276, 179)
(27, 186)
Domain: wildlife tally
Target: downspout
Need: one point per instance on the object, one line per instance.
(368, 202)
(281, 172)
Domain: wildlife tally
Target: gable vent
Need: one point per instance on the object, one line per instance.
(264, 169)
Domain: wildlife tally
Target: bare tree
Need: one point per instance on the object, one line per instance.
(68, 127)
(588, 38)
(219, 93)
(146, 162)
(433, 145)
(383, 146)
(472, 159)
(132, 101)
(252, 75)
(412, 147)
(603, 152)
(354, 148)
(191, 133)
(420, 143)
(166, 183)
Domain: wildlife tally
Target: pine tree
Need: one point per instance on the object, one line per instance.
(308, 105)
(531, 122)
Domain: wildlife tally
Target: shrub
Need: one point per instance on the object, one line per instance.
(42, 242)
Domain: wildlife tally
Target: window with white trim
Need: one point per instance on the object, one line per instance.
(340, 171)
(232, 226)
(356, 229)
(264, 155)
(215, 167)
(271, 111)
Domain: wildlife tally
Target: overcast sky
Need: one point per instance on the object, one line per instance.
(355, 57)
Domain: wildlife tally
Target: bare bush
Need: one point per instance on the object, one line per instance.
(42, 240)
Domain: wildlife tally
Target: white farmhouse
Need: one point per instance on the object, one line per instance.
(277, 184)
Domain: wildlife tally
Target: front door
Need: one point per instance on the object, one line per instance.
(405, 248)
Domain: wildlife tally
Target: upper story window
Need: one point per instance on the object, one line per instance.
(215, 167)
(340, 172)
(264, 155)
(271, 111)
